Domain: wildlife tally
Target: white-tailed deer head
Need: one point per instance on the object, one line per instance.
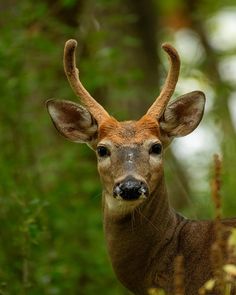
(129, 153)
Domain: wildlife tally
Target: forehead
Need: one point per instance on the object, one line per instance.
(129, 132)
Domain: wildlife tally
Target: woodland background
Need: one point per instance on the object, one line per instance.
(51, 238)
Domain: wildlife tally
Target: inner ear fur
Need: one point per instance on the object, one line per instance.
(183, 115)
(73, 121)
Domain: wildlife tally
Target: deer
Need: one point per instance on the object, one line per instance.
(143, 233)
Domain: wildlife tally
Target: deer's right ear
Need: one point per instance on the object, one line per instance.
(73, 121)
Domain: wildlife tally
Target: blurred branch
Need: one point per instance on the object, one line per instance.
(145, 28)
(222, 89)
(68, 14)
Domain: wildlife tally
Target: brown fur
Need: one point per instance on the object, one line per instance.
(121, 132)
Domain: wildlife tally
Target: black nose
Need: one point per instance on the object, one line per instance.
(130, 189)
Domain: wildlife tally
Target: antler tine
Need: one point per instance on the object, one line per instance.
(162, 100)
(72, 74)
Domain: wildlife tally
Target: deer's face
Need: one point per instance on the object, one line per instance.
(130, 154)
(129, 160)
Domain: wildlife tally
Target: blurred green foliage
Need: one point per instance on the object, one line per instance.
(51, 239)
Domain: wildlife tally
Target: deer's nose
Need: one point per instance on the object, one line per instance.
(130, 189)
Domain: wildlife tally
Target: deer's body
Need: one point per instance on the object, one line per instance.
(143, 233)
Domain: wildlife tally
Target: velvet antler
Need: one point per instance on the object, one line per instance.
(72, 74)
(162, 100)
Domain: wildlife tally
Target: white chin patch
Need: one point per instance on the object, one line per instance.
(118, 204)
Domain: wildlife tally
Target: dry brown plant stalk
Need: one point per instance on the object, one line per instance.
(179, 275)
(218, 248)
(216, 186)
(230, 266)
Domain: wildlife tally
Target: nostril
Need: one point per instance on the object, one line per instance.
(143, 190)
(130, 189)
(117, 191)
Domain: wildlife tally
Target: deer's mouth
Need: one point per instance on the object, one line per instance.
(130, 189)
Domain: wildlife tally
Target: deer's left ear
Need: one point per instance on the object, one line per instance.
(183, 115)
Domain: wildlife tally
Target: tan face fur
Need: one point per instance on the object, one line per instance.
(129, 146)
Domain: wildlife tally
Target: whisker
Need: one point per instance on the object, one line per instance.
(153, 225)
(133, 217)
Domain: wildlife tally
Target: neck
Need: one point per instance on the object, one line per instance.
(135, 238)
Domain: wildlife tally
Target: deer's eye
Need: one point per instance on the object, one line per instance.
(156, 149)
(103, 151)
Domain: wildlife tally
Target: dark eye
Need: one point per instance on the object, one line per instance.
(156, 149)
(103, 151)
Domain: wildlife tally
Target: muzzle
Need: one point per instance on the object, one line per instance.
(130, 189)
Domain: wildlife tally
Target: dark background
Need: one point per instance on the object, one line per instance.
(51, 238)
